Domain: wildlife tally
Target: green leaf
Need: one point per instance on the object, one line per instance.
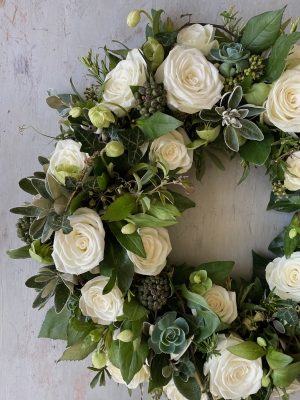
(76, 202)
(235, 97)
(289, 245)
(62, 294)
(111, 283)
(276, 246)
(261, 31)
(157, 380)
(257, 153)
(231, 138)
(103, 180)
(248, 350)
(145, 221)
(217, 271)
(26, 185)
(131, 360)
(157, 125)
(57, 222)
(54, 102)
(190, 389)
(40, 186)
(132, 140)
(245, 173)
(277, 359)
(21, 252)
(211, 323)
(132, 242)
(216, 160)
(55, 325)
(283, 377)
(157, 21)
(276, 64)
(89, 140)
(29, 211)
(73, 335)
(95, 380)
(289, 315)
(167, 38)
(195, 323)
(194, 298)
(282, 204)
(164, 211)
(120, 208)
(182, 202)
(134, 310)
(78, 352)
(250, 130)
(181, 273)
(259, 267)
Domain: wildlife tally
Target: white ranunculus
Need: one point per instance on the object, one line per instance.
(172, 392)
(102, 308)
(172, 146)
(192, 82)
(291, 182)
(129, 72)
(82, 249)
(222, 302)
(283, 103)
(157, 246)
(284, 275)
(139, 377)
(293, 59)
(294, 387)
(198, 36)
(232, 377)
(67, 160)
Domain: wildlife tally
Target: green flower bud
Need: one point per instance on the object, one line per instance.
(258, 94)
(63, 170)
(133, 18)
(75, 112)
(154, 53)
(128, 229)
(114, 149)
(41, 253)
(169, 25)
(199, 282)
(99, 359)
(265, 382)
(261, 342)
(209, 134)
(101, 116)
(292, 233)
(125, 336)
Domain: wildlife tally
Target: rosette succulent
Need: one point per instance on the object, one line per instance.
(233, 58)
(169, 334)
(233, 116)
(200, 282)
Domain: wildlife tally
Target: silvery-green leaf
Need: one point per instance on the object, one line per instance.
(209, 115)
(243, 112)
(41, 203)
(250, 130)
(197, 143)
(253, 110)
(29, 211)
(235, 97)
(53, 186)
(220, 110)
(54, 102)
(224, 99)
(40, 186)
(231, 138)
(235, 123)
(60, 205)
(36, 226)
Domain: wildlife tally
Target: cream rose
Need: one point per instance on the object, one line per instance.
(283, 103)
(284, 275)
(192, 82)
(82, 249)
(232, 377)
(117, 90)
(291, 182)
(157, 246)
(222, 302)
(67, 160)
(172, 392)
(198, 36)
(172, 146)
(102, 308)
(140, 377)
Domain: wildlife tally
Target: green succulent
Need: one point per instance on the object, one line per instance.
(233, 118)
(199, 282)
(169, 334)
(232, 56)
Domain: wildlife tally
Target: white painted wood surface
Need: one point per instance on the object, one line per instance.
(40, 43)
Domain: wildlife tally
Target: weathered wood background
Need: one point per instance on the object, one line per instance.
(40, 44)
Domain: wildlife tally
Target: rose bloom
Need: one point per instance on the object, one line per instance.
(157, 246)
(198, 36)
(172, 146)
(117, 90)
(102, 308)
(284, 275)
(283, 103)
(192, 82)
(222, 302)
(232, 377)
(67, 156)
(139, 377)
(291, 182)
(82, 249)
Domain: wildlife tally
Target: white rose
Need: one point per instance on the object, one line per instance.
(293, 59)
(198, 36)
(172, 146)
(294, 387)
(291, 182)
(82, 249)
(284, 275)
(139, 377)
(222, 302)
(157, 246)
(283, 103)
(172, 392)
(67, 160)
(192, 82)
(232, 377)
(102, 308)
(129, 72)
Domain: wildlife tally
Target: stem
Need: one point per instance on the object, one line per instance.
(117, 105)
(105, 163)
(147, 15)
(22, 128)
